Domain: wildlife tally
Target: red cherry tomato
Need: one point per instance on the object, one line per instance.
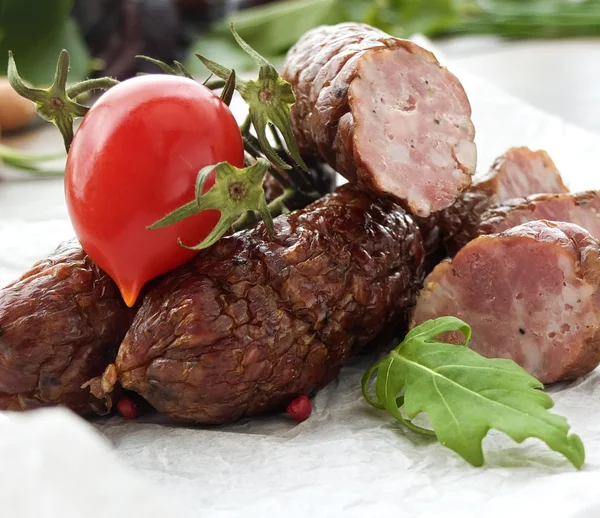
(133, 160)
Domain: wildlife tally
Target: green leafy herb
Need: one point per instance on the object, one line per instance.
(270, 28)
(228, 89)
(30, 163)
(465, 395)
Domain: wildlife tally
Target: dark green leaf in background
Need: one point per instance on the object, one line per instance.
(36, 31)
(270, 29)
(273, 28)
(219, 48)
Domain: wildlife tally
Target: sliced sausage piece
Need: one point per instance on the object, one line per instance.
(383, 113)
(253, 323)
(530, 294)
(521, 172)
(518, 173)
(60, 325)
(581, 208)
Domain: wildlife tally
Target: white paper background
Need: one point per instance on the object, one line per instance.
(346, 460)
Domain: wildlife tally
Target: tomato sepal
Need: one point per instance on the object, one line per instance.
(228, 88)
(56, 104)
(235, 192)
(177, 69)
(269, 100)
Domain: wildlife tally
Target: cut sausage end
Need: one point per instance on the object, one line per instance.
(413, 135)
(530, 294)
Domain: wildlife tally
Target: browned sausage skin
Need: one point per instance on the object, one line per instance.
(582, 208)
(60, 324)
(530, 294)
(252, 323)
(383, 113)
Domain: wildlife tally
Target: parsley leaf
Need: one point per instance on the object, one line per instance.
(465, 394)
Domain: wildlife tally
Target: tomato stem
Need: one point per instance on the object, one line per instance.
(214, 84)
(269, 99)
(290, 199)
(292, 176)
(300, 179)
(245, 127)
(56, 104)
(279, 176)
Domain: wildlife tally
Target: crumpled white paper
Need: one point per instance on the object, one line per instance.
(54, 464)
(347, 460)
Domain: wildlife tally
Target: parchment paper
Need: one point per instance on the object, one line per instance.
(346, 460)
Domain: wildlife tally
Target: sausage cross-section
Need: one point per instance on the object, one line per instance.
(252, 323)
(383, 113)
(530, 294)
(61, 323)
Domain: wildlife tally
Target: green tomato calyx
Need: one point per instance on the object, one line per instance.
(269, 99)
(56, 104)
(235, 192)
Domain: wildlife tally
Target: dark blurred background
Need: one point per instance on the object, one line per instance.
(103, 36)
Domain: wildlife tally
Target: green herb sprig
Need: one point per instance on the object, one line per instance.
(465, 395)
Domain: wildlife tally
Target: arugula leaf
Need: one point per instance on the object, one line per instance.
(465, 394)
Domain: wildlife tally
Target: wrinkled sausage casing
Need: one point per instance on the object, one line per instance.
(383, 113)
(60, 325)
(530, 294)
(252, 323)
